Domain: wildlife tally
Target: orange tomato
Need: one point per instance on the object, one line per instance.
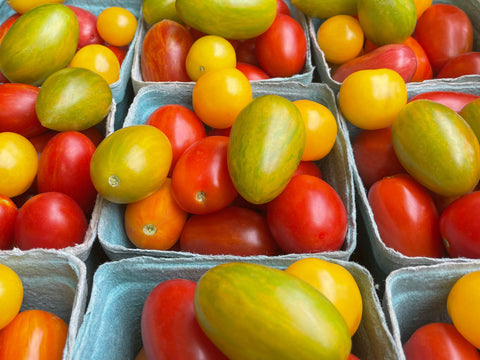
(99, 59)
(424, 68)
(117, 25)
(421, 6)
(11, 295)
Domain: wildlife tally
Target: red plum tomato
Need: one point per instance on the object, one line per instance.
(246, 53)
(8, 214)
(455, 100)
(464, 64)
(282, 8)
(309, 168)
(87, 27)
(252, 72)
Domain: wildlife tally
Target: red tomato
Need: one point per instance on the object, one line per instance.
(222, 132)
(444, 31)
(50, 220)
(119, 51)
(308, 216)
(17, 109)
(252, 72)
(201, 182)
(246, 53)
(7, 24)
(460, 228)
(169, 327)
(34, 334)
(8, 214)
(352, 357)
(181, 125)
(374, 155)
(453, 99)
(231, 231)
(464, 64)
(424, 69)
(439, 341)
(87, 27)
(406, 216)
(282, 49)
(282, 8)
(94, 134)
(64, 167)
(308, 168)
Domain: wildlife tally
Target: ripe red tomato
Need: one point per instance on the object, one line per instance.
(169, 327)
(282, 49)
(439, 341)
(231, 230)
(94, 134)
(7, 24)
(64, 166)
(87, 27)
(119, 51)
(246, 53)
(282, 8)
(181, 125)
(201, 182)
(252, 72)
(8, 214)
(424, 69)
(464, 64)
(34, 334)
(308, 216)
(50, 220)
(406, 216)
(309, 168)
(444, 31)
(455, 100)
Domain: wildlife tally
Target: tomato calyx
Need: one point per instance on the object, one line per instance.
(149, 229)
(201, 196)
(113, 181)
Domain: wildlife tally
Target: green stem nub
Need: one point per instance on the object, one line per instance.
(149, 229)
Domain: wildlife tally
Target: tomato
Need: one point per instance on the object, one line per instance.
(11, 295)
(8, 214)
(406, 216)
(252, 72)
(94, 134)
(141, 354)
(340, 38)
(116, 25)
(308, 216)
(308, 168)
(364, 106)
(440, 341)
(156, 221)
(282, 49)
(50, 220)
(100, 60)
(169, 326)
(22, 6)
(222, 132)
(374, 155)
(232, 230)
(336, 283)
(444, 31)
(462, 306)
(455, 100)
(181, 126)
(421, 6)
(119, 51)
(34, 334)
(424, 68)
(87, 27)
(7, 24)
(64, 166)
(352, 357)
(246, 53)
(464, 64)
(201, 182)
(282, 8)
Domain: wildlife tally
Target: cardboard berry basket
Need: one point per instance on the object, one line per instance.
(323, 69)
(305, 76)
(417, 295)
(334, 167)
(52, 281)
(110, 332)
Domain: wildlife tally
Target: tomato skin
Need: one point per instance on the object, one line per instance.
(49, 220)
(282, 8)
(406, 216)
(444, 31)
(8, 214)
(7, 24)
(424, 68)
(308, 216)
(64, 166)
(455, 100)
(252, 72)
(464, 64)
(308, 168)
(439, 341)
(201, 182)
(282, 49)
(11, 295)
(232, 230)
(34, 334)
(169, 327)
(246, 53)
(87, 27)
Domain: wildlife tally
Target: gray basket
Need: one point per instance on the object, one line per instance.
(334, 168)
(52, 281)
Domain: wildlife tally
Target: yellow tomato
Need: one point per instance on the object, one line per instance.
(371, 99)
(463, 306)
(207, 53)
(336, 283)
(320, 129)
(22, 6)
(340, 37)
(18, 164)
(116, 25)
(11, 295)
(219, 95)
(99, 59)
(421, 6)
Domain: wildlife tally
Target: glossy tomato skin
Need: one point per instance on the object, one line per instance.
(439, 341)
(424, 68)
(308, 216)
(87, 27)
(309, 168)
(7, 24)
(34, 334)
(282, 8)
(232, 230)
(252, 72)
(464, 64)
(455, 100)
(460, 228)
(406, 216)
(64, 166)
(49, 220)
(444, 31)
(169, 327)
(246, 53)
(8, 214)
(282, 49)
(201, 182)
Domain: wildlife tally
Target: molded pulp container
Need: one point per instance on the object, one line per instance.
(111, 327)
(334, 167)
(55, 282)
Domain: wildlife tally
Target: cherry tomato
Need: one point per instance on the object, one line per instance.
(100, 60)
(11, 295)
(282, 49)
(201, 182)
(421, 6)
(87, 27)
(8, 214)
(119, 51)
(308, 168)
(229, 231)
(246, 53)
(406, 216)
(464, 64)
(308, 216)
(282, 8)
(455, 100)
(94, 134)
(252, 72)
(116, 25)
(424, 69)
(7, 24)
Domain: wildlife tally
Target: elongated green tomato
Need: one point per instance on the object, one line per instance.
(131, 163)
(326, 8)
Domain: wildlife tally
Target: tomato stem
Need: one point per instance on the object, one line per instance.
(113, 181)
(149, 229)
